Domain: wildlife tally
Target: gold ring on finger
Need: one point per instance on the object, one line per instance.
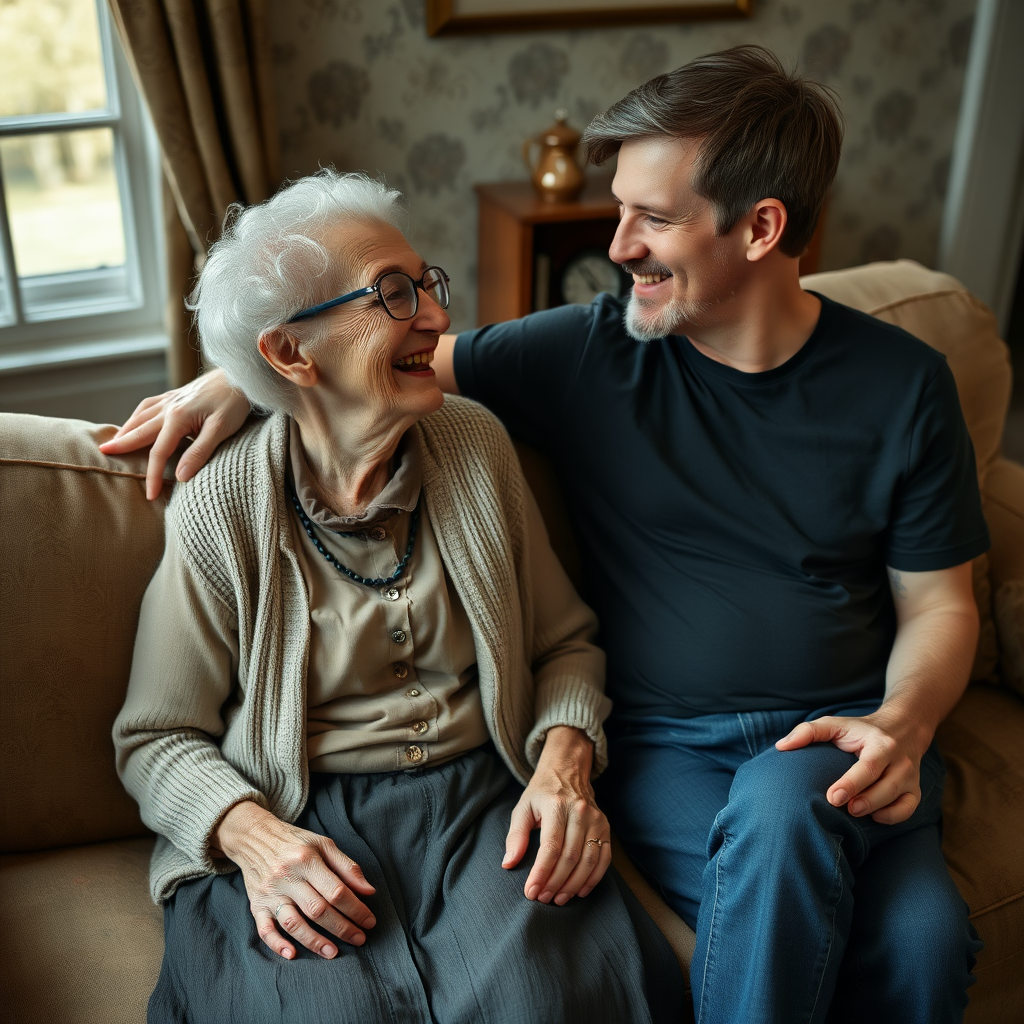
(595, 842)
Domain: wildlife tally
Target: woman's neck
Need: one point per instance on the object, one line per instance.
(349, 454)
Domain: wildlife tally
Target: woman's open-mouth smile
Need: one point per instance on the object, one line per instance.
(418, 363)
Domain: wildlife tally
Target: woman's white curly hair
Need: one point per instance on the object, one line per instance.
(270, 262)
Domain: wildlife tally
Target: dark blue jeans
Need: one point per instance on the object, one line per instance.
(803, 913)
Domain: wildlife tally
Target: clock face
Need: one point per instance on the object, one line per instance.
(587, 275)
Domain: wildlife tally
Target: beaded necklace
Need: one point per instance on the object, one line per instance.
(344, 570)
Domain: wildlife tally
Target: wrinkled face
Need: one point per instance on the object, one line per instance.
(683, 272)
(372, 360)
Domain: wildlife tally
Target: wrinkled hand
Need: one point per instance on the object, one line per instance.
(886, 780)
(560, 801)
(294, 877)
(208, 410)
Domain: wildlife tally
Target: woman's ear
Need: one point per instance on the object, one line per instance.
(766, 226)
(288, 357)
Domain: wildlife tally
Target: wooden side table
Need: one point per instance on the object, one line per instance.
(525, 243)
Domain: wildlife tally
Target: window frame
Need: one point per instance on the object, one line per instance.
(109, 311)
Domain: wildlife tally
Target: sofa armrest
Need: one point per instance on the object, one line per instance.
(1004, 509)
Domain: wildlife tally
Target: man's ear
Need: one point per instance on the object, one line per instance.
(766, 223)
(288, 357)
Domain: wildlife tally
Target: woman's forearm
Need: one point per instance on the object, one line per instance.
(567, 749)
(237, 822)
(183, 671)
(574, 852)
(568, 668)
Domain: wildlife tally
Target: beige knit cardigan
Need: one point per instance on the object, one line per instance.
(189, 749)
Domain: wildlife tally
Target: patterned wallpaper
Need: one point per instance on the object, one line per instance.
(362, 86)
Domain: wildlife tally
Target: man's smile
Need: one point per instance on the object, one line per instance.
(647, 273)
(650, 278)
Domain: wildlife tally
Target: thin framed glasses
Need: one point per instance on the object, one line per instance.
(399, 294)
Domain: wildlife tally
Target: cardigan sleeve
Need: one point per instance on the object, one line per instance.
(166, 736)
(568, 668)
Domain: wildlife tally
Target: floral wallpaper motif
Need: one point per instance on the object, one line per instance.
(360, 85)
(336, 92)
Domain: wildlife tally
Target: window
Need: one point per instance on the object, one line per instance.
(79, 238)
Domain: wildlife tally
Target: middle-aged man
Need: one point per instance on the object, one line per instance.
(776, 506)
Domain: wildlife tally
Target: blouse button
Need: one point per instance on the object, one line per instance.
(391, 594)
(378, 533)
(413, 753)
(400, 669)
(413, 693)
(420, 728)
(398, 636)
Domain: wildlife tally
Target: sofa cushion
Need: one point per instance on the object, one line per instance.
(78, 545)
(983, 810)
(1008, 608)
(88, 941)
(1004, 511)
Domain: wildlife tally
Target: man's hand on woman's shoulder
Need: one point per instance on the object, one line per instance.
(208, 411)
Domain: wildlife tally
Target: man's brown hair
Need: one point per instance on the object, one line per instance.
(764, 133)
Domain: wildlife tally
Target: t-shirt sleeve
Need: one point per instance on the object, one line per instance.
(523, 370)
(937, 520)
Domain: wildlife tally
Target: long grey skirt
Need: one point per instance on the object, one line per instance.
(455, 941)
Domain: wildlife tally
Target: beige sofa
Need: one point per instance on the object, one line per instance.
(80, 940)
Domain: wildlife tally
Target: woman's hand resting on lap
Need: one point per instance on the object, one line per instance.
(208, 410)
(560, 801)
(294, 877)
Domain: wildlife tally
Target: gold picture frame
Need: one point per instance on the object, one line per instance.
(445, 17)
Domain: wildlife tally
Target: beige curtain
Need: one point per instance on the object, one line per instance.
(203, 67)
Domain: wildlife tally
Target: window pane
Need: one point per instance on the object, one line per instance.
(63, 203)
(51, 57)
(6, 312)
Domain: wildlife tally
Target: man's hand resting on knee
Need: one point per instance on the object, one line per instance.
(885, 781)
(930, 663)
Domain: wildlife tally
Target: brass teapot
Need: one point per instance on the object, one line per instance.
(556, 176)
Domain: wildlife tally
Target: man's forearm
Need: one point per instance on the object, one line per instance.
(928, 671)
(444, 364)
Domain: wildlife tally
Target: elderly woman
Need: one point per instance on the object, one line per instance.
(357, 651)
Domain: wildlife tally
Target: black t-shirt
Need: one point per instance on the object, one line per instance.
(734, 527)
